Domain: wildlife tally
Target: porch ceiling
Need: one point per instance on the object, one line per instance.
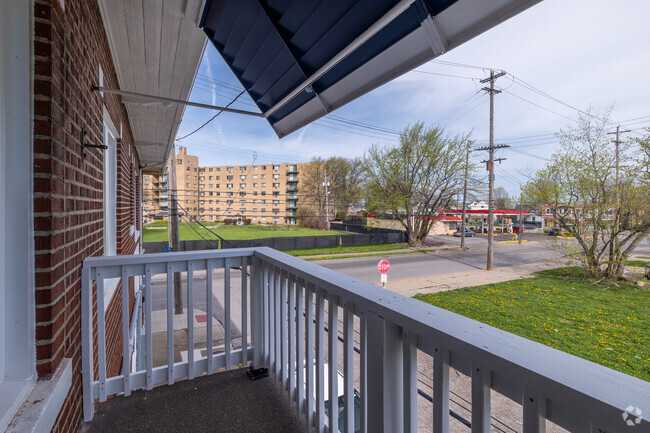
(157, 48)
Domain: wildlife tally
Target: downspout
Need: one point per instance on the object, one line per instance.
(134, 328)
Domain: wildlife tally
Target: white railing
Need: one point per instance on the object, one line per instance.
(301, 314)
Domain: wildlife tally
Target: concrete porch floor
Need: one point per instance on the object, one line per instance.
(223, 402)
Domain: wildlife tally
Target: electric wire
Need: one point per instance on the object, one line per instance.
(211, 119)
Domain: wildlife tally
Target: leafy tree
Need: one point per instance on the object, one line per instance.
(416, 178)
(607, 219)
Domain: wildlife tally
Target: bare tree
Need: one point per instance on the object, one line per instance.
(607, 218)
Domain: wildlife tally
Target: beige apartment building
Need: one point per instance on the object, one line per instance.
(263, 193)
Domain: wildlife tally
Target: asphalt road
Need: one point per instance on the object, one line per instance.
(442, 262)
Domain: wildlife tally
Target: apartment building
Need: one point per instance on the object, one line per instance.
(263, 193)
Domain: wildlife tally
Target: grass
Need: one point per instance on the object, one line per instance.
(378, 254)
(188, 231)
(607, 324)
(347, 250)
(639, 263)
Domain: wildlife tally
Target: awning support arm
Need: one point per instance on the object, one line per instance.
(133, 97)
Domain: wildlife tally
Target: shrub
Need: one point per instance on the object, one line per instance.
(247, 221)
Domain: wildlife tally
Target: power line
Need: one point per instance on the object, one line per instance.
(211, 119)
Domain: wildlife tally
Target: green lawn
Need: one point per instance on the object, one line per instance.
(606, 324)
(188, 231)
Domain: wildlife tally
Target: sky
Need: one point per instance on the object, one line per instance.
(560, 57)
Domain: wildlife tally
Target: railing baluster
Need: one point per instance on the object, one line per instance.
(271, 317)
(534, 406)
(277, 326)
(283, 331)
(244, 310)
(309, 360)
(209, 319)
(441, 390)
(226, 307)
(101, 334)
(170, 325)
(147, 318)
(265, 312)
(410, 381)
(300, 348)
(292, 338)
(348, 365)
(320, 359)
(190, 320)
(126, 356)
(363, 370)
(480, 399)
(333, 356)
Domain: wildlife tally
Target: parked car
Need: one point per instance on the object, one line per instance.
(468, 233)
(515, 229)
(341, 395)
(554, 231)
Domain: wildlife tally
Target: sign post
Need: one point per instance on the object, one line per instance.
(383, 267)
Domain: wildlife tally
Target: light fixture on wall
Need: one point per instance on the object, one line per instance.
(85, 144)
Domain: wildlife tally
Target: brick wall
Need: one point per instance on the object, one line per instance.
(69, 47)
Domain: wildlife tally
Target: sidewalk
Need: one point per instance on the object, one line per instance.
(439, 283)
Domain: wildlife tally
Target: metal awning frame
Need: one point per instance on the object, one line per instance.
(142, 98)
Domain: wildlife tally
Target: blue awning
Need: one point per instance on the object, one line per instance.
(301, 59)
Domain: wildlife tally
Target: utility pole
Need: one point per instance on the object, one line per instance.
(326, 184)
(618, 186)
(521, 214)
(462, 235)
(492, 91)
(174, 238)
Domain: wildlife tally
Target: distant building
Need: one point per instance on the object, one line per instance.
(263, 193)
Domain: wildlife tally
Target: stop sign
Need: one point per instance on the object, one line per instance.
(383, 266)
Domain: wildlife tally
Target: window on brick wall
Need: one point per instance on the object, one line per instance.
(110, 189)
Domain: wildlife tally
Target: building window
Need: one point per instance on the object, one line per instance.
(254, 185)
(242, 201)
(229, 169)
(276, 185)
(210, 169)
(228, 177)
(263, 202)
(276, 219)
(229, 185)
(263, 176)
(263, 219)
(242, 177)
(276, 176)
(276, 167)
(242, 185)
(276, 201)
(242, 169)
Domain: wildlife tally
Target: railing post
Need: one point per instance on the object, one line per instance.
(385, 387)
(257, 312)
(87, 344)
